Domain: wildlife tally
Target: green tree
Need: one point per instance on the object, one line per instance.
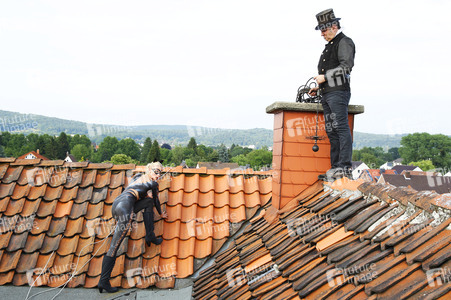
(166, 156)
(32, 141)
(154, 153)
(50, 149)
(145, 151)
(4, 138)
(122, 159)
(424, 146)
(192, 144)
(107, 149)
(373, 157)
(425, 165)
(80, 139)
(237, 150)
(129, 147)
(63, 146)
(223, 153)
(81, 152)
(16, 145)
(213, 156)
(2, 151)
(177, 155)
(394, 152)
(240, 159)
(259, 158)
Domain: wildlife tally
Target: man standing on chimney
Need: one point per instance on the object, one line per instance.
(334, 70)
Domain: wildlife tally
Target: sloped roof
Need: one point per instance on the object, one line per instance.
(56, 219)
(348, 240)
(36, 154)
(374, 174)
(218, 165)
(400, 168)
(440, 184)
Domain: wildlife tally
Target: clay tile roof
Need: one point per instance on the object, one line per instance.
(341, 240)
(55, 214)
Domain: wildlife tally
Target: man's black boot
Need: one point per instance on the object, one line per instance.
(104, 282)
(148, 223)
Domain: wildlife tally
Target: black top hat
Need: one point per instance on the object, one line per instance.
(326, 18)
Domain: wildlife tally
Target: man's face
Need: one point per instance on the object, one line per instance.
(329, 33)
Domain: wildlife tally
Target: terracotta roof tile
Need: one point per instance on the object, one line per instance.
(117, 179)
(135, 248)
(34, 243)
(206, 183)
(9, 260)
(84, 194)
(17, 242)
(29, 207)
(102, 178)
(20, 192)
(53, 193)
(85, 246)
(14, 207)
(12, 174)
(58, 177)
(57, 226)
(191, 183)
(237, 200)
(69, 194)
(4, 203)
(36, 192)
(7, 189)
(99, 195)
(237, 214)
(177, 183)
(220, 199)
(221, 184)
(51, 244)
(47, 208)
(26, 262)
(185, 248)
(3, 169)
(74, 178)
(203, 248)
(63, 209)
(78, 210)
(112, 194)
(41, 224)
(88, 178)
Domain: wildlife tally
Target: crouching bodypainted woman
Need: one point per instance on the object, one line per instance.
(132, 200)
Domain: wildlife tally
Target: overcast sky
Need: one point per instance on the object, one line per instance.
(220, 63)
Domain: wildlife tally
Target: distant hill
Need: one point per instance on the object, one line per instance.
(171, 134)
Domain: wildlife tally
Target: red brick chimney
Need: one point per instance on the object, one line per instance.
(295, 164)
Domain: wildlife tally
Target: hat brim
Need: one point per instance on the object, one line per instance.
(325, 24)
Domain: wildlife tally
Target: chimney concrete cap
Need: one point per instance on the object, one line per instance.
(308, 107)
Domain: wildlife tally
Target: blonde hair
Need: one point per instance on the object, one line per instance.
(153, 166)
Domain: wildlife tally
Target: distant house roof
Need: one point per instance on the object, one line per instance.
(356, 164)
(374, 174)
(33, 155)
(70, 158)
(439, 184)
(398, 160)
(400, 168)
(217, 165)
(421, 173)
